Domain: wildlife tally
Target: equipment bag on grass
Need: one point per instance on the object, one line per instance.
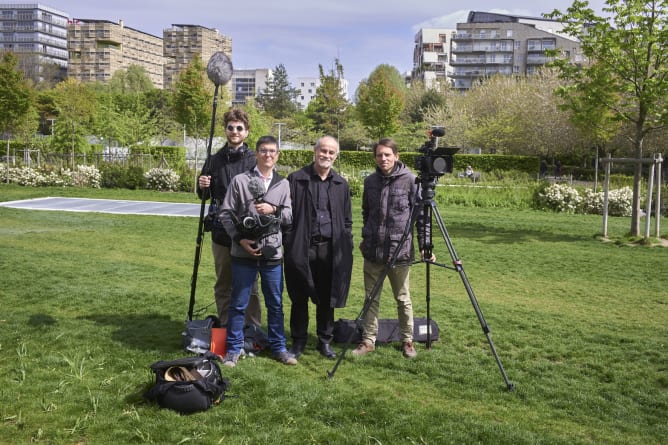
(188, 384)
(388, 330)
(196, 337)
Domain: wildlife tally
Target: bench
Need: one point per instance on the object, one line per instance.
(474, 177)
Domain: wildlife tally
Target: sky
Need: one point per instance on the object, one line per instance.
(304, 34)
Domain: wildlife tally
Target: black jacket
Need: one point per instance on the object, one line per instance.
(298, 278)
(223, 166)
(387, 204)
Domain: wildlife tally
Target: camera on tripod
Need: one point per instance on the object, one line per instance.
(436, 161)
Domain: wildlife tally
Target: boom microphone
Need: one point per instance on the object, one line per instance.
(256, 188)
(219, 69)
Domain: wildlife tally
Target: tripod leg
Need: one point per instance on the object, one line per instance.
(459, 267)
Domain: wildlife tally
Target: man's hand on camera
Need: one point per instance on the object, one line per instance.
(264, 208)
(250, 247)
(204, 181)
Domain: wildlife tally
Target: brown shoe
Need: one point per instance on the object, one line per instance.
(408, 350)
(362, 349)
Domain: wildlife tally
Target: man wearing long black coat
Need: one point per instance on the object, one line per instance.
(318, 247)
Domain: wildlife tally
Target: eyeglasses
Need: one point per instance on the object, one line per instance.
(239, 128)
(268, 151)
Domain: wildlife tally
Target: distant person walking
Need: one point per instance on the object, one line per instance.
(543, 168)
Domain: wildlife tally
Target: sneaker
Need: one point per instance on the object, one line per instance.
(230, 360)
(408, 350)
(362, 349)
(286, 358)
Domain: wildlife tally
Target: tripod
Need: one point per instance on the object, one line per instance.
(427, 207)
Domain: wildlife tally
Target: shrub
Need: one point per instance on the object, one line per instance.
(85, 176)
(559, 197)
(117, 176)
(563, 198)
(162, 179)
(355, 183)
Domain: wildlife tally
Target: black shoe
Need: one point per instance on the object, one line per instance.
(297, 348)
(326, 350)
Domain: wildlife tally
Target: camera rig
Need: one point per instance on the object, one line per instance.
(434, 162)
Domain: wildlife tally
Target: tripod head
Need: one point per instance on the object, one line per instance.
(434, 162)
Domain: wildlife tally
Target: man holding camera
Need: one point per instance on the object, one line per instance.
(390, 194)
(235, 157)
(255, 211)
(318, 247)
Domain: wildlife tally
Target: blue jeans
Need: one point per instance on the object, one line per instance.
(244, 273)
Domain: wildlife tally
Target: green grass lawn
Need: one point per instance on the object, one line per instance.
(91, 300)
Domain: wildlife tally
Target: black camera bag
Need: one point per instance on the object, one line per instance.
(188, 384)
(388, 330)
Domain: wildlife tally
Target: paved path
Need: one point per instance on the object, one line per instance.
(107, 206)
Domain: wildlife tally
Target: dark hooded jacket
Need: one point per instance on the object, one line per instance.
(298, 278)
(223, 166)
(387, 203)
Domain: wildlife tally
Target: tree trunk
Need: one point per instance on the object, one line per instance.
(637, 181)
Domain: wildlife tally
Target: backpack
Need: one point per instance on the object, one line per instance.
(189, 384)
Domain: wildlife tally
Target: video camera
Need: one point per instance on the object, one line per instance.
(256, 227)
(436, 160)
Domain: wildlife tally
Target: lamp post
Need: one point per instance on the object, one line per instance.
(279, 125)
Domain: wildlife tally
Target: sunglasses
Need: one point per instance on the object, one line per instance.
(239, 128)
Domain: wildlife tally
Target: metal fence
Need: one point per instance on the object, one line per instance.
(37, 159)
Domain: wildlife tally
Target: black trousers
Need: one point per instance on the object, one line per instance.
(320, 262)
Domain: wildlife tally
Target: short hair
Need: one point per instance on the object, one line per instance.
(236, 114)
(386, 142)
(318, 143)
(268, 139)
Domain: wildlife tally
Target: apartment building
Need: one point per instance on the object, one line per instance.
(37, 34)
(248, 84)
(431, 56)
(183, 42)
(307, 87)
(490, 43)
(98, 48)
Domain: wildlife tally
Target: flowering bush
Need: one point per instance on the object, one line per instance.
(162, 179)
(620, 201)
(85, 176)
(560, 198)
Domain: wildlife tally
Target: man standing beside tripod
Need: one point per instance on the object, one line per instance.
(390, 194)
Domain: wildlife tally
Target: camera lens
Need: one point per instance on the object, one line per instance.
(249, 222)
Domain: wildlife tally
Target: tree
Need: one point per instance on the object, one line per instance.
(278, 99)
(380, 101)
(191, 100)
(626, 79)
(133, 80)
(328, 107)
(420, 99)
(16, 97)
(259, 124)
(76, 108)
